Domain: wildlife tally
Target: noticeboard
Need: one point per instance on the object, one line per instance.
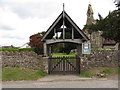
(86, 48)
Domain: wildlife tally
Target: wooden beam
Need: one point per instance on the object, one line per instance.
(51, 28)
(63, 27)
(52, 41)
(76, 27)
(72, 33)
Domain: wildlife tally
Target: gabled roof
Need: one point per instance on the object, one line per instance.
(68, 23)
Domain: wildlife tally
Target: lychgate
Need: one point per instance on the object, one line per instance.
(63, 24)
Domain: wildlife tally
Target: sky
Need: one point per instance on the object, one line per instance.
(19, 19)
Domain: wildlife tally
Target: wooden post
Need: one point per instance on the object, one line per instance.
(45, 49)
(63, 29)
(49, 64)
(72, 33)
(55, 32)
(64, 65)
(50, 50)
(78, 64)
(57, 35)
(63, 23)
(79, 49)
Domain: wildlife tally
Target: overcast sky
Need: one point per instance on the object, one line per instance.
(20, 19)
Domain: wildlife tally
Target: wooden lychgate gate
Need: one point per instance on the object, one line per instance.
(64, 65)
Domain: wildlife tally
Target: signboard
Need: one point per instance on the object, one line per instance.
(86, 48)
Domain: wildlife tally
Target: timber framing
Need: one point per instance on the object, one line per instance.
(63, 25)
(52, 41)
(69, 23)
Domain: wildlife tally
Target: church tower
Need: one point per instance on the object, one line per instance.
(95, 37)
(90, 18)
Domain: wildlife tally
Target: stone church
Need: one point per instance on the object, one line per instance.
(96, 39)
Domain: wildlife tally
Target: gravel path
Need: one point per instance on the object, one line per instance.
(63, 81)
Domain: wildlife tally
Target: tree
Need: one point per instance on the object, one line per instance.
(35, 42)
(109, 25)
(117, 4)
(100, 17)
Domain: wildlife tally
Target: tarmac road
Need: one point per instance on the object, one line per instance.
(63, 81)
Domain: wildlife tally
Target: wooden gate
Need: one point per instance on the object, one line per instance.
(64, 65)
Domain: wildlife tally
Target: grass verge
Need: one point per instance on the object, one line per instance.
(103, 70)
(19, 73)
(86, 74)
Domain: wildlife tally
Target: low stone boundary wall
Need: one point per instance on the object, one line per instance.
(100, 59)
(30, 59)
(27, 59)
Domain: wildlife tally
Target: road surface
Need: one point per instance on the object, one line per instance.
(63, 81)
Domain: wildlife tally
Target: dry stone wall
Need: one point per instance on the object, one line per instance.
(27, 59)
(101, 59)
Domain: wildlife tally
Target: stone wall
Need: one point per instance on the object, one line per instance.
(27, 59)
(100, 59)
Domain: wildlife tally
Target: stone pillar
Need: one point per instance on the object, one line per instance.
(45, 64)
(117, 46)
(79, 49)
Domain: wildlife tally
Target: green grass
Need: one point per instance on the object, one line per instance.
(26, 49)
(63, 54)
(104, 70)
(18, 73)
(86, 74)
(16, 49)
(100, 49)
(109, 71)
(9, 49)
(118, 71)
